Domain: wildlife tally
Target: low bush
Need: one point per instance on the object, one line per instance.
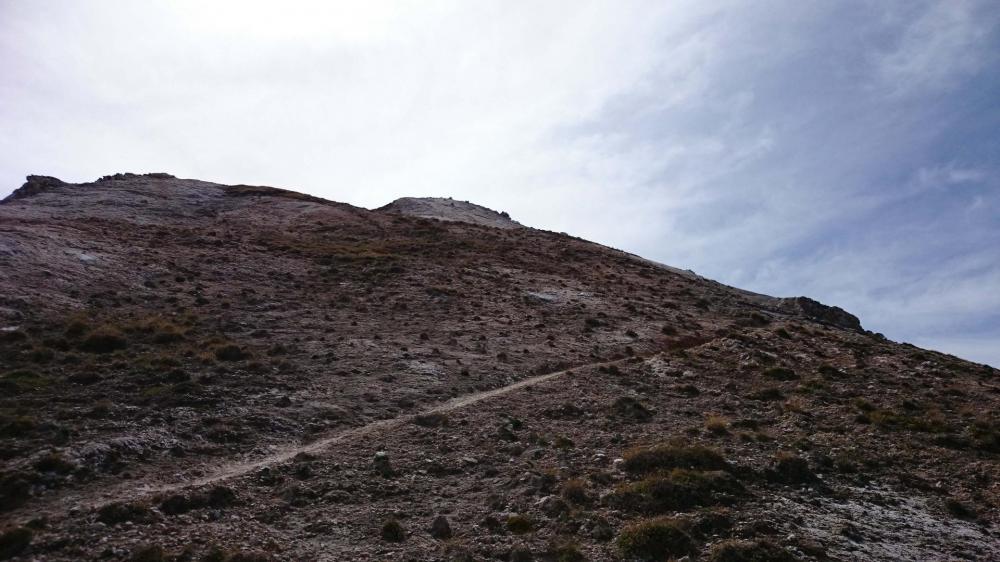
(148, 553)
(23, 380)
(575, 491)
(748, 551)
(644, 460)
(790, 468)
(520, 524)
(14, 541)
(767, 394)
(230, 352)
(717, 425)
(392, 531)
(678, 489)
(656, 539)
(781, 374)
(120, 512)
(629, 408)
(959, 509)
(218, 497)
(54, 462)
(103, 340)
(566, 550)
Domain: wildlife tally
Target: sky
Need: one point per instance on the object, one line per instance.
(848, 151)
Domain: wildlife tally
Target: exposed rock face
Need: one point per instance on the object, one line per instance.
(820, 312)
(448, 209)
(35, 185)
(185, 364)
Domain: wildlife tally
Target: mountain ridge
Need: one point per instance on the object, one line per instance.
(192, 368)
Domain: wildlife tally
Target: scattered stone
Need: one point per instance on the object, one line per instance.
(381, 464)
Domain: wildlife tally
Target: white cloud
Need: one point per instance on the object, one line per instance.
(939, 47)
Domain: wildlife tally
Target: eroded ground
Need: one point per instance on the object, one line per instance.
(194, 371)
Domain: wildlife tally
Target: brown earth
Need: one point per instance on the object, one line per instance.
(193, 371)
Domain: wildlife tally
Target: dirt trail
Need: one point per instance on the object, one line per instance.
(132, 490)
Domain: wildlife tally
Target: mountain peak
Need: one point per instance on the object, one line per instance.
(448, 209)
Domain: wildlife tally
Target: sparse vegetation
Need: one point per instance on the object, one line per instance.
(655, 539)
(120, 512)
(217, 497)
(392, 531)
(575, 491)
(748, 551)
(781, 374)
(149, 553)
(520, 524)
(103, 340)
(790, 468)
(644, 460)
(677, 489)
(247, 335)
(14, 541)
(717, 425)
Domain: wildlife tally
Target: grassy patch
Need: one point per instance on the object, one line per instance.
(748, 551)
(23, 380)
(103, 340)
(655, 539)
(520, 524)
(644, 460)
(678, 489)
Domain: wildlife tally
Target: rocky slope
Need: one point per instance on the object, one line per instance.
(193, 371)
(448, 209)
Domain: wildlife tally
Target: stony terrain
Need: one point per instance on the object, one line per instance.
(447, 209)
(193, 371)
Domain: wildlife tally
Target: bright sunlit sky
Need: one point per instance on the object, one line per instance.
(848, 151)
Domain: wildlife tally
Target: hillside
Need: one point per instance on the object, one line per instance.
(195, 371)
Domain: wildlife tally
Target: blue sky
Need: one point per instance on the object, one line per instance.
(848, 151)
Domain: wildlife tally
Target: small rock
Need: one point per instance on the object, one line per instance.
(553, 506)
(381, 464)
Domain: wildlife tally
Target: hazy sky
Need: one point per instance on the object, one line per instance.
(848, 151)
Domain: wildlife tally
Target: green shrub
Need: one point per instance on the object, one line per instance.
(655, 540)
(678, 489)
(23, 380)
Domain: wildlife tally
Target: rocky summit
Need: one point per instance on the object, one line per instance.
(205, 372)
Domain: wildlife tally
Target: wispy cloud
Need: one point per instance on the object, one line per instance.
(847, 151)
